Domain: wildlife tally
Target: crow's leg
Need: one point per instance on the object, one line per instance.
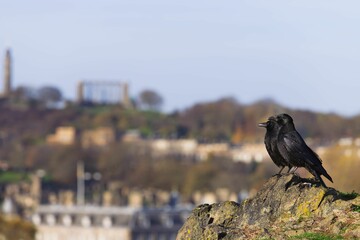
(281, 170)
(294, 170)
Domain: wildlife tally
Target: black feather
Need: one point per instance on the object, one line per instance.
(270, 140)
(293, 148)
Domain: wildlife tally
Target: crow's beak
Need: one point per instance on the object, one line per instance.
(264, 124)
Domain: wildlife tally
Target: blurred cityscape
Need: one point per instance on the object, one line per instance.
(110, 165)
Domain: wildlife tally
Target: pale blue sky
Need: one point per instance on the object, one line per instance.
(302, 53)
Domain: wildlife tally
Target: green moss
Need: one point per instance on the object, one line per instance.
(348, 196)
(304, 209)
(301, 218)
(355, 208)
(316, 236)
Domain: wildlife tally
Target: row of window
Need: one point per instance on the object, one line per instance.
(139, 220)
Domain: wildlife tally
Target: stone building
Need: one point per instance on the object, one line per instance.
(107, 223)
(104, 92)
(64, 135)
(99, 137)
(249, 152)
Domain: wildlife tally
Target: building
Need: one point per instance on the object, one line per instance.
(131, 136)
(103, 92)
(99, 137)
(180, 147)
(249, 152)
(66, 135)
(55, 222)
(63, 135)
(205, 151)
(188, 148)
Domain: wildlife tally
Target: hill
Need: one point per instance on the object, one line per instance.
(214, 121)
(23, 143)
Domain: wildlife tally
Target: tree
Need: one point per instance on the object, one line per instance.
(49, 95)
(150, 100)
(24, 93)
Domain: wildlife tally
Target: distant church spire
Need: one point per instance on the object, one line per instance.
(7, 74)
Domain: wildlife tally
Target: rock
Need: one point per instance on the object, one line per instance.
(286, 206)
(13, 227)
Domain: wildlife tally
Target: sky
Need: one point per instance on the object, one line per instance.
(303, 54)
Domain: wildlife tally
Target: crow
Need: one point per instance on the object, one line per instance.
(293, 148)
(270, 140)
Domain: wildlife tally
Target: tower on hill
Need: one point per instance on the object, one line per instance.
(7, 74)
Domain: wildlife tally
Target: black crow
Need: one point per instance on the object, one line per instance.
(270, 140)
(293, 148)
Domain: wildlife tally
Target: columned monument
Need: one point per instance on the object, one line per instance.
(103, 92)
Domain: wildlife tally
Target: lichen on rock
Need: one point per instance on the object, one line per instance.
(285, 206)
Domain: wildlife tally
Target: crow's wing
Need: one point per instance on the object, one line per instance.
(297, 148)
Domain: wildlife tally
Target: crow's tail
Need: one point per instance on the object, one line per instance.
(321, 181)
(322, 171)
(327, 176)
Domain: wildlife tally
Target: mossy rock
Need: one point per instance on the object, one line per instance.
(13, 227)
(287, 206)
